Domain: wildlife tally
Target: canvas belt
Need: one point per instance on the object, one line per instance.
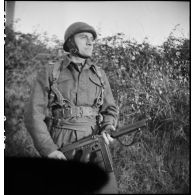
(80, 111)
(74, 111)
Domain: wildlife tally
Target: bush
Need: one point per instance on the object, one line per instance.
(146, 81)
(25, 55)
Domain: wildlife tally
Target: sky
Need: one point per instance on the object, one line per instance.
(136, 19)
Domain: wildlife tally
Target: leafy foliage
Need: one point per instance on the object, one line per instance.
(146, 81)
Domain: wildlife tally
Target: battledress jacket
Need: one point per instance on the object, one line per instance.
(81, 88)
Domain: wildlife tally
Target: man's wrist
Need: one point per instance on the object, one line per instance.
(108, 128)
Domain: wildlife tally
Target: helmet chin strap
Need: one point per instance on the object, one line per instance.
(74, 49)
(81, 56)
(76, 53)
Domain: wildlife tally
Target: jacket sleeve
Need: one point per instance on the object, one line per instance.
(36, 112)
(109, 109)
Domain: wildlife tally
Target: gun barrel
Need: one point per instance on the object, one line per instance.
(129, 128)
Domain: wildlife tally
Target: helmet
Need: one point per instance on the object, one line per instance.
(75, 28)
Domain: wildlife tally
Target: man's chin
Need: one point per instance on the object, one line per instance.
(87, 55)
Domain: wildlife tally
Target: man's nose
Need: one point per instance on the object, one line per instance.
(89, 42)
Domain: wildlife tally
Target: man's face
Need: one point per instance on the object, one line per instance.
(84, 42)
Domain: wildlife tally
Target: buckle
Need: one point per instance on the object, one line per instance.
(81, 111)
(76, 111)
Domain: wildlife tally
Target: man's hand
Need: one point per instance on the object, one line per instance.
(106, 135)
(57, 155)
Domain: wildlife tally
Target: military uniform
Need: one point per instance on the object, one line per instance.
(81, 89)
(74, 100)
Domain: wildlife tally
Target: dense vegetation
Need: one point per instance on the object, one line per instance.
(147, 81)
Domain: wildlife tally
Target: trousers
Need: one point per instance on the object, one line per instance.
(66, 136)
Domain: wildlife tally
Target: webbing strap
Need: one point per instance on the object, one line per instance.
(99, 75)
(75, 111)
(56, 71)
(99, 100)
(61, 100)
(55, 75)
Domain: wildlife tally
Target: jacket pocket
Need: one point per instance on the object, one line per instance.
(65, 84)
(65, 75)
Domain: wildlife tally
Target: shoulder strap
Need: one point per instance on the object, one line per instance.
(100, 98)
(99, 74)
(55, 75)
(56, 71)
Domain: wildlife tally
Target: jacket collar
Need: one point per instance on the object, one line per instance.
(67, 61)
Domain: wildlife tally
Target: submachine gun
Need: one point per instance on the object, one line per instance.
(93, 149)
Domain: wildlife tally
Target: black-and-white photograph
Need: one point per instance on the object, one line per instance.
(97, 97)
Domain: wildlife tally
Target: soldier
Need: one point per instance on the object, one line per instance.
(76, 95)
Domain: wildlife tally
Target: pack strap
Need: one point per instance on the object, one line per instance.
(56, 71)
(98, 74)
(100, 98)
(55, 75)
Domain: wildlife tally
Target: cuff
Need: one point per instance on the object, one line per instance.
(109, 120)
(47, 150)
